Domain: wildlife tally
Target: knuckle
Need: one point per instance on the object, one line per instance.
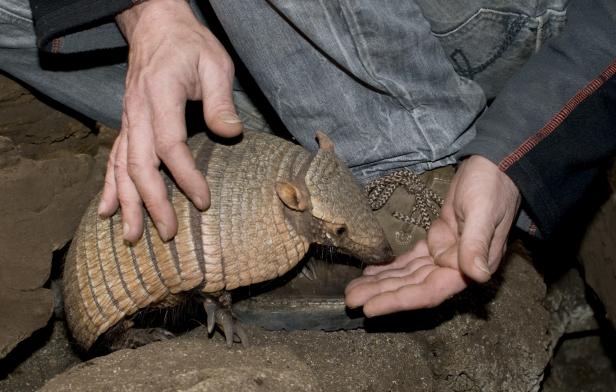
(221, 63)
(125, 201)
(134, 167)
(477, 245)
(164, 147)
(119, 166)
(226, 65)
(154, 202)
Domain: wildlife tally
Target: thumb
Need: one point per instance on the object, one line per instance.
(474, 246)
(218, 107)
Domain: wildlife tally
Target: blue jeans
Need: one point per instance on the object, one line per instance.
(395, 84)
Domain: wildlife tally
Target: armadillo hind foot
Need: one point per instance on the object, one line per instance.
(220, 314)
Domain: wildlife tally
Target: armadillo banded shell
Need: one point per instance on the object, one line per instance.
(243, 238)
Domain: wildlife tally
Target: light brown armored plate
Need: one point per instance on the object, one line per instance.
(270, 200)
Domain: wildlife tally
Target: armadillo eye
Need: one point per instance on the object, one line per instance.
(340, 231)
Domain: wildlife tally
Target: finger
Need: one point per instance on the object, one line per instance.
(440, 285)
(448, 258)
(217, 94)
(360, 294)
(109, 198)
(475, 243)
(130, 202)
(441, 237)
(170, 134)
(406, 270)
(143, 170)
(419, 250)
(498, 247)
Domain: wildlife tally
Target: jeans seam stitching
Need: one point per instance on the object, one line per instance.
(512, 31)
(559, 118)
(472, 19)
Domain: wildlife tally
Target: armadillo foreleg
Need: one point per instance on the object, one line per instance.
(309, 270)
(218, 309)
(124, 335)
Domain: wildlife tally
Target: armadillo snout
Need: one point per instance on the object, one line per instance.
(382, 255)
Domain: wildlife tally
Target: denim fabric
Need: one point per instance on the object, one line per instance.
(489, 40)
(16, 30)
(371, 74)
(95, 92)
(368, 73)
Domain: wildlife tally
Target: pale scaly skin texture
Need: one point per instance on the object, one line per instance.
(247, 236)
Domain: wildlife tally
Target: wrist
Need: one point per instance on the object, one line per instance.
(148, 10)
(505, 182)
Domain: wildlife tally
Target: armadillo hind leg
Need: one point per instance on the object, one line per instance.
(218, 309)
(125, 335)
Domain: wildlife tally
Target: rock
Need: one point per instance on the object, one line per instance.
(41, 205)
(581, 364)
(51, 353)
(493, 337)
(190, 364)
(598, 256)
(503, 345)
(50, 168)
(569, 309)
(21, 313)
(36, 130)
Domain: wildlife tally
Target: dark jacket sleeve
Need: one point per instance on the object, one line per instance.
(554, 123)
(69, 26)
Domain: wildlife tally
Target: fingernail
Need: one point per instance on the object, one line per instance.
(230, 118)
(102, 206)
(162, 231)
(482, 264)
(350, 305)
(125, 228)
(199, 203)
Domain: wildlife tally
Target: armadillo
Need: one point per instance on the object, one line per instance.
(270, 200)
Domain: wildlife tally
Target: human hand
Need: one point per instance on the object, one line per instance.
(465, 244)
(172, 58)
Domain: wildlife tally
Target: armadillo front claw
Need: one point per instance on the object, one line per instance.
(210, 309)
(309, 270)
(231, 328)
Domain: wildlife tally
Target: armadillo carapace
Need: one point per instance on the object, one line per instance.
(270, 200)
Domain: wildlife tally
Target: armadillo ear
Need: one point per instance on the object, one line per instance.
(325, 143)
(291, 196)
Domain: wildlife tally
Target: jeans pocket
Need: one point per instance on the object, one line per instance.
(491, 45)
